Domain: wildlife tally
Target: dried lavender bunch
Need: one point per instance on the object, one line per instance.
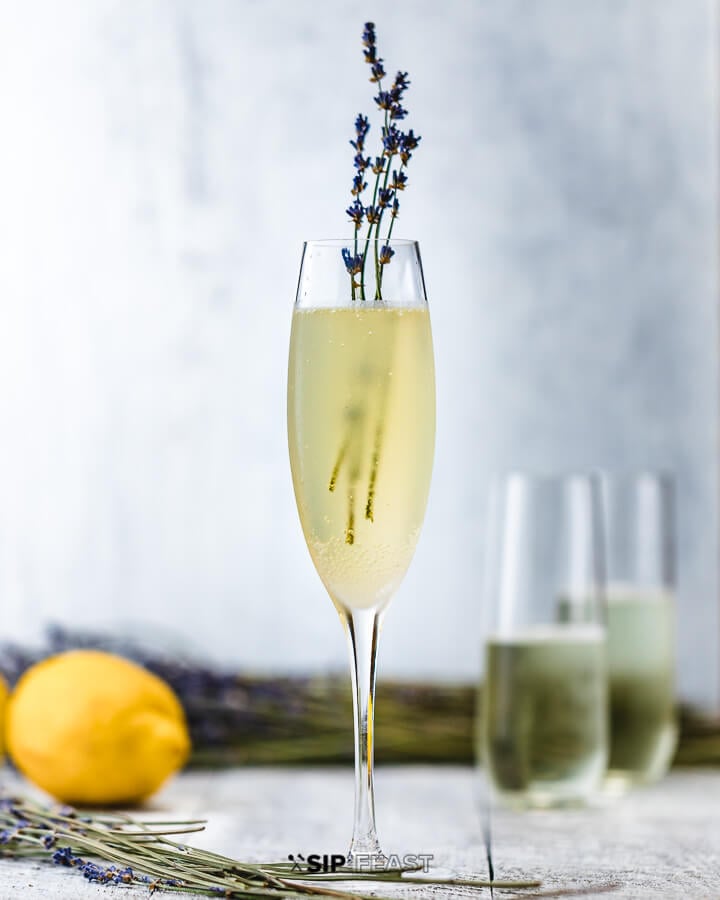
(388, 167)
(237, 717)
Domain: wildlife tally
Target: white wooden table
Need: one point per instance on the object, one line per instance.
(658, 842)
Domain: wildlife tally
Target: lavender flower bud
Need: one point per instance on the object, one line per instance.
(386, 254)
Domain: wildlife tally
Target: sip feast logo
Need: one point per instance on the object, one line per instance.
(316, 862)
(331, 862)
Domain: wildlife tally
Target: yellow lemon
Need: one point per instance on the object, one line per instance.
(4, 693)
(92, 728)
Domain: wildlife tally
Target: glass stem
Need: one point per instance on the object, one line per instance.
(363, 628)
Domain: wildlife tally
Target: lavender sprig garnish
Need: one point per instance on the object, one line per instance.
(370, 211)
(396, 150)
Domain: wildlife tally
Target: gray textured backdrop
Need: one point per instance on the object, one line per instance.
(161, 162)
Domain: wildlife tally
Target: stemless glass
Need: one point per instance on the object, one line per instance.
(639, 517)
(361, 427)
(544, 701)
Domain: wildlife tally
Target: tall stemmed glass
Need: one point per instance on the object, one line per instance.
(361, 427)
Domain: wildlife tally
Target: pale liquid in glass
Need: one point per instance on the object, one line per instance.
(544, 714)
(361, 416)
(643, 728)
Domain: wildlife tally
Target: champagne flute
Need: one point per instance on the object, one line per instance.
(361, 429)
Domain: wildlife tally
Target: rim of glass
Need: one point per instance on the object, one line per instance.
(346, 241)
